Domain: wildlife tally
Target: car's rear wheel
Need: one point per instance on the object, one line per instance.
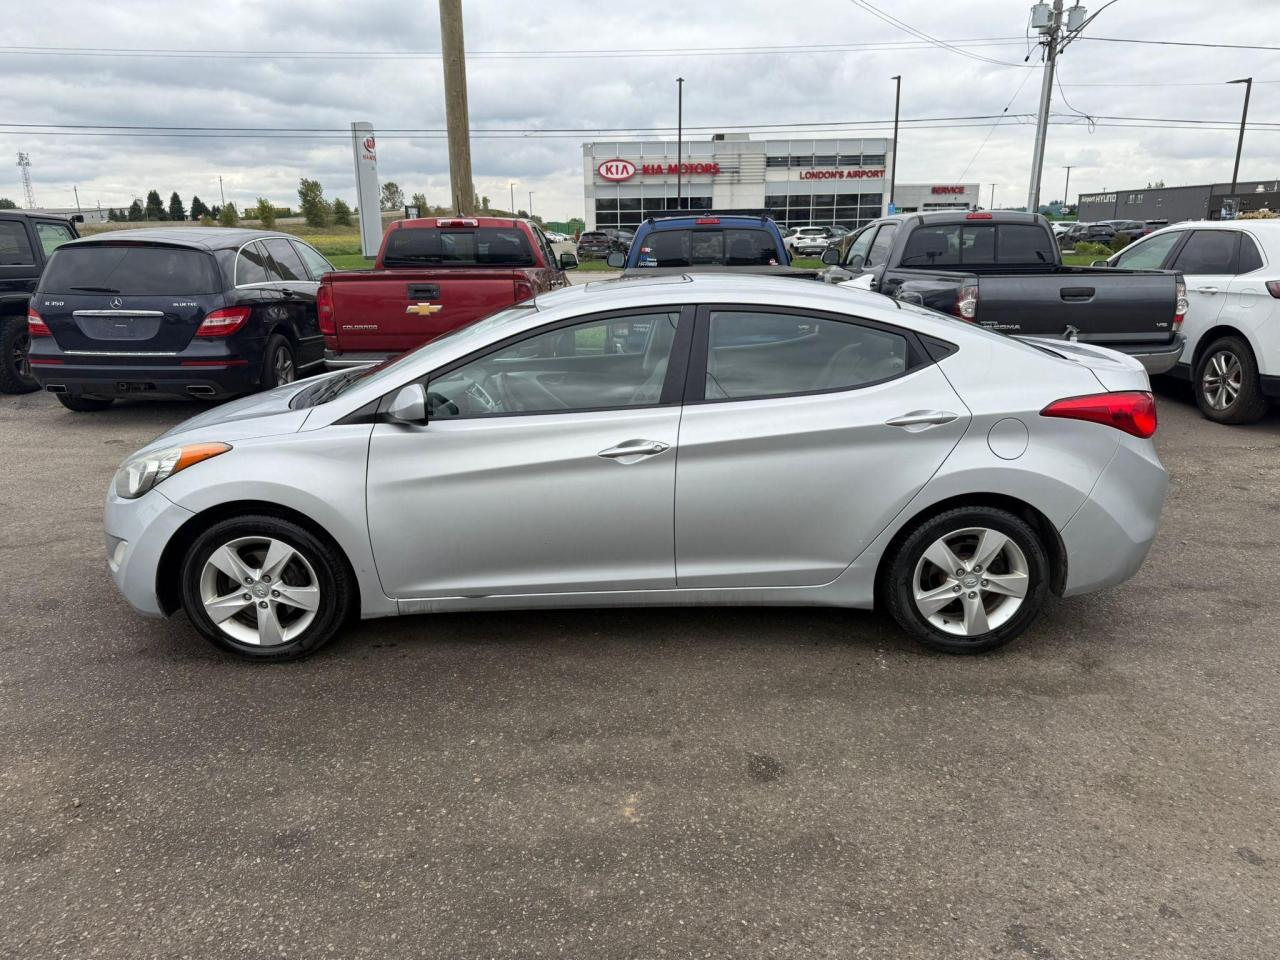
(967, 580)
(82, 404)
(265, 588)
(1227, 386)
(279, 366)
(15, 362)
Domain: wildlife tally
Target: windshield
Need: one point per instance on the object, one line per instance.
(702, 247)
(141, 271)
(478, 247)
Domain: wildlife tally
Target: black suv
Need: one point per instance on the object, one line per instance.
(26, 241)
(195, 311)
(1102, 233)
(595, 244)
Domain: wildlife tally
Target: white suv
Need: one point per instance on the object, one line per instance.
(1232, 271)
(808, 240)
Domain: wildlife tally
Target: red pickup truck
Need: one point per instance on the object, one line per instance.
(433, 275)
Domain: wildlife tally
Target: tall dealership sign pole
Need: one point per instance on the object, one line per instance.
(364, 148)
(455, 106)
(679, 140)
(893, 168)
(1248, 89)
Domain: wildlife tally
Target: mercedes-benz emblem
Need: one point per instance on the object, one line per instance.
(117, 303)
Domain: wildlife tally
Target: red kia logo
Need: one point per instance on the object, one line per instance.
(369, 144)
(616, 170)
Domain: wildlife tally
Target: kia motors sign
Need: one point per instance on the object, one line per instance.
(616, 170)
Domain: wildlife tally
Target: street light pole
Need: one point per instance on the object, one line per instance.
(1248, 89)
(679, 141)
(1066, 190)
(893, 168)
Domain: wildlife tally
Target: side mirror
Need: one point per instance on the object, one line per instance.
(409, 405)
(568, 261)
(1100, 263)
(831, 257)
(616, 260)
(855, 263)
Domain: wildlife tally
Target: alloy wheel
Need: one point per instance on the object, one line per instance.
(283, 366)
(971, 581)
(259, 591)
(1222, 379)
(22, 355)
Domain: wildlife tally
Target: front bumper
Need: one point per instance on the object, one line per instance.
(341, 359)
(212, 379)
(1108, 538)
(137, 533)
(1156, 359)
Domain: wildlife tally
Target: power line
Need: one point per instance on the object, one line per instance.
(994, 125)
(920, 34)
(1182, 43)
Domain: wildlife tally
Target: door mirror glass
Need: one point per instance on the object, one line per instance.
(617, 260)
(409, 405)
(1100, 263)
(831, 256)
(568, 261)
(854, 263)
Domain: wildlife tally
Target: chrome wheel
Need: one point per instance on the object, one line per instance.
(971, 581)
(283, 366)
(259, 591)
(1222, 379)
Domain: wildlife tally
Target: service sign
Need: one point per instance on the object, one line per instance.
(938, 190)
(616, 170)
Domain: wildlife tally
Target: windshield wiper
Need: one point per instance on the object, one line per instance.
(326, 390)
(96, 289)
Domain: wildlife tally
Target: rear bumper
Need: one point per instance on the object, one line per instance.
(212, 379)
(1156, 359)
(340, 360)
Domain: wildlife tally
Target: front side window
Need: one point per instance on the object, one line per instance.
(879, 252)
(15, 248)
(1208, 252)
(53, 235)
(856, 258)
(1150, 253)
(752, 354)
(598, 365)
(288, 265)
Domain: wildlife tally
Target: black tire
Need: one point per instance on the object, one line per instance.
(279, 365)
(15, 370)
(898, 584)
(1249, 403)
(326, 566)
(82, 404)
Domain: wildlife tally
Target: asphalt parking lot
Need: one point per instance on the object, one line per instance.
(656, 783)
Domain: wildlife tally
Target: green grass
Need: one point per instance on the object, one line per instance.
(1078, 259)
(348, 261)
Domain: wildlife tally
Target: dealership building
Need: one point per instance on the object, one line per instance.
(1205, 201)
(798, 182)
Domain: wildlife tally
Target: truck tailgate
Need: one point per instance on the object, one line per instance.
(396, 310)
(1133, 307)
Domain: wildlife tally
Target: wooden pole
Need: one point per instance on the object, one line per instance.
(455, 105)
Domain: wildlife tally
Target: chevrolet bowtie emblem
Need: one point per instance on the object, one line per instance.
(424, 309)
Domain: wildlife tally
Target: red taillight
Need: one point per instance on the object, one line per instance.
(977, 216)
(1132, 411)
(1273, 288)
(524, 290)
(36, 327)
(707, 220)
(224, 322)
(967, 302)
(324, 310)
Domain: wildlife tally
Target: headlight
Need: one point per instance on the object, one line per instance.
(137, 475)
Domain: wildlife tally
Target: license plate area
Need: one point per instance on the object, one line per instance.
(119, 326)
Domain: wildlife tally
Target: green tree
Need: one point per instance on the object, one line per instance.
(7, 204)
(154, 209)
(341, 212)
(484, 203)
(420, 201)
(206, 220)
(266, 213)
(311, 199)
(228, 217)
(176, 211)
(392, 196)
(135, 211)
(198, 209)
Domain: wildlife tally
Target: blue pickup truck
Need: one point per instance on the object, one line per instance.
(707, 241)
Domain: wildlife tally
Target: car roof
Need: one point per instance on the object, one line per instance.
(1238, 224)
(205, 238)
(684, 223)
(35, 215)
(431, 223)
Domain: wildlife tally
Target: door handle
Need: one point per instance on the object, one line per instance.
(922, 419)
(286, 291)
(1206, 289)
(632, 451)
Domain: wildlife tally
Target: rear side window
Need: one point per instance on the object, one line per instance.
(1148, 254)
(53, 235)
(478, 247)
(252, 265)
(756, 354)
(132, 269)
(288, 263)
(702, 247)
(1211, 252)
(1250, 259)
(15, 248)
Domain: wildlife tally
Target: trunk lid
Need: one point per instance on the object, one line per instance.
(1114, 370)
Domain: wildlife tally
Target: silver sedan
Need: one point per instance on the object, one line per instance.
(705, 439)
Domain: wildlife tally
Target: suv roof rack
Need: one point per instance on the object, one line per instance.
(761, 215)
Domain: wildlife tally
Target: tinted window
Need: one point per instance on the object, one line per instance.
(1250, 259)
(288, 263)
(879, 252)
(1208, 252)
(137, 270)
(14, 246)
(1150, 253)
(753, 354)
(481, 246)
(252, 266)
(315, 262)
(861, 244)
(728, 247)
(1023, 243)
(53, 235)
(620, 362)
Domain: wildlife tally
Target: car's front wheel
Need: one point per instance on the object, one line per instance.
(1228, 389)
(967, 580)
(265, 588)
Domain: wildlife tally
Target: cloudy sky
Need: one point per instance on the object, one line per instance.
(567, 65)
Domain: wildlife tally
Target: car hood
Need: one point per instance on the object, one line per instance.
(261, 415)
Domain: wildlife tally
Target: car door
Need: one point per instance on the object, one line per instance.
(803, 435)
(297, 299)
(1207, 261)
(878, 255)
(547, 465)
(1252, 307)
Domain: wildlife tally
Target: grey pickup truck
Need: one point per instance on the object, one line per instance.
(1003, 271)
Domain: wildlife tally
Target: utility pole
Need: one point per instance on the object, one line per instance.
(511, 185)
(455, 106)
(530, 210)
(1051, 29)
(1066, 190)
(1248, 89)
(220, 193)
(992, 205)
(76, 191)
(679, 140)
(893, 169)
